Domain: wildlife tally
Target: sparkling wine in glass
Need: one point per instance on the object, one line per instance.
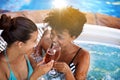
(53, 53)
(50, 55)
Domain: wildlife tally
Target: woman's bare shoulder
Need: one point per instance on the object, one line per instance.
(2, 76)
(2, 71)
(3, 64)
(83, 55)
(83, 62)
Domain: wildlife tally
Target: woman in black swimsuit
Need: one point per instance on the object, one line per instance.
(67, 24)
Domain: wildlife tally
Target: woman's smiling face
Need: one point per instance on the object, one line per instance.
(64, 38)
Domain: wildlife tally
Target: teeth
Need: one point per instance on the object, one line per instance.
(54, 43)
(54, 51)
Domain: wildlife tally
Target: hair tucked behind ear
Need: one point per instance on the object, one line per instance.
(16, 29)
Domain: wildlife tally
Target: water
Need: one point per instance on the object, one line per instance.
(109, 7)
(105, 61)
(59, 76)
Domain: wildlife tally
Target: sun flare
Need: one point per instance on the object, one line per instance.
(59, 4)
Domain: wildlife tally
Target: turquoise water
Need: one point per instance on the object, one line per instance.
(105, 61)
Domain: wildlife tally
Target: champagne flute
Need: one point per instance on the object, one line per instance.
(53, 53)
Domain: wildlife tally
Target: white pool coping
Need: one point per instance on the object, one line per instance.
(101, 34)
(96, 33)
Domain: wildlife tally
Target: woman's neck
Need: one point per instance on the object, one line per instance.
(69, 49)
(13, 54)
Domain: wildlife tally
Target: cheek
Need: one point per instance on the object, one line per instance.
(29, 48)
(45, 42)
(62, 43)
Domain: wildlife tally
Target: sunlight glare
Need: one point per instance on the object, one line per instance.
(59, 4)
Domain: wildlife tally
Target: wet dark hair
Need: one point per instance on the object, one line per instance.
(16, 29)
(67, 18)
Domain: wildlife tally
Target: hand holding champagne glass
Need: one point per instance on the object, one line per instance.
(53, 53)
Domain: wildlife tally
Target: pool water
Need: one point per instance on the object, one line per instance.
(109, 7)
(104, 62)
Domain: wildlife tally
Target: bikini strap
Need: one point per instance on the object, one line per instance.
(30, 69)
(7, 59)
(75, 55)
(26, 57)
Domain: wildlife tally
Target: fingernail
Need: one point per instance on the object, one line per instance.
(52, 60)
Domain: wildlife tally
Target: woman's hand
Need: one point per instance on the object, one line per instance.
(44, 67)
(41, 69)
(61, 67)
(64, 68)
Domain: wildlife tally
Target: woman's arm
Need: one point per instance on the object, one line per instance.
(83, 65)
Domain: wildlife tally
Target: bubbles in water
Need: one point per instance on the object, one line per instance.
(107, 77)
(41, 78)
(91, 78)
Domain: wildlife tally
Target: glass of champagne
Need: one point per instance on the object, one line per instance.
(53, 53)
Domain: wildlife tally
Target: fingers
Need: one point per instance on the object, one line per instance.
(46, 65)
(40, 63)
(44, 68)
(50, 63)
(61, 66)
